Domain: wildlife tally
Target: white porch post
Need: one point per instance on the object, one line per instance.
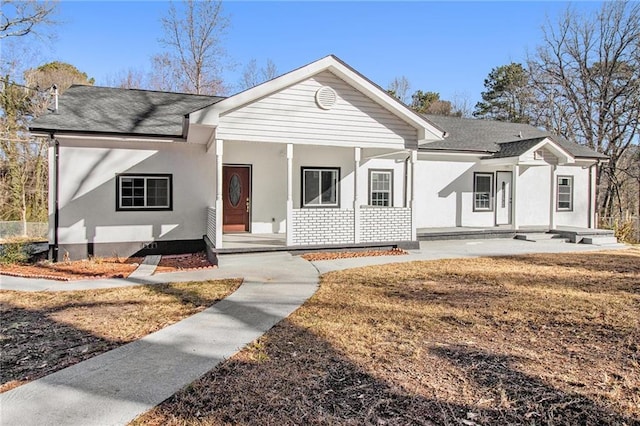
(356, 194)
(552, 197)
(514, 200)
(289, 194)
(219, 144)
(593, 175)
(414, 160)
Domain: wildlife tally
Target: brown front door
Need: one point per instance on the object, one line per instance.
(236, 198)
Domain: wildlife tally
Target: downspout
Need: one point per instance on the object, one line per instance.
(589, 210)
(56, 194)
(406, 179)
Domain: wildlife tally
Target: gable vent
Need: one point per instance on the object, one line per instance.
(326, 97)
(538, 155)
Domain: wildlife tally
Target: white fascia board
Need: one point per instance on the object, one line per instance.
(63, 136)
(563, 155)
(445, 153)
(426, 131)
(501, 161)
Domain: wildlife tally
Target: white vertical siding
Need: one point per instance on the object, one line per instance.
(292, 116)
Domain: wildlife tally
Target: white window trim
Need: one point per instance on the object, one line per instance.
(336, 170)
(564, 209)
(390, 191)
(145, 177)
(475, 192)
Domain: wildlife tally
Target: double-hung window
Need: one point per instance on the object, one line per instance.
(565, 193)
(320, 187)
(483, 192)
(380, 188)
(144, 192)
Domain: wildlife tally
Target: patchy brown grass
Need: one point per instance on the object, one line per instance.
(537, 339)
(43, 332)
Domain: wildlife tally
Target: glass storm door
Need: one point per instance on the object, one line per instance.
(236, 198)
(503, 198)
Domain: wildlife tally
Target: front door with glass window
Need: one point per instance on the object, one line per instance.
(236, 198)
(503, 198)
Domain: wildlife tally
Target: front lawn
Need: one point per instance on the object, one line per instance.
(43, 332)
(536, 339)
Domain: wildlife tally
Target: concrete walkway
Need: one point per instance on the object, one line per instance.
(117, 386)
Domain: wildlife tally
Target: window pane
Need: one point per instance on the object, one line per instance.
(483, 191)
(157, 192)
(311, 187)
(329, 184)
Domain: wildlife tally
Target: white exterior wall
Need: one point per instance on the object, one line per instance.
(580, 214)
(291, 115)
(444, 195)
(441, 187)
(88, 191)
(534, 196)
(397, 166)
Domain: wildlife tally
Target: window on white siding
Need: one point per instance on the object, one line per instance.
(483, 191)
(320, 187)
(143, 192)
(565, 193)
(380, 188)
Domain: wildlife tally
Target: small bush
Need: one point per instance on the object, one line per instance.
(625, 229)
(16, 250)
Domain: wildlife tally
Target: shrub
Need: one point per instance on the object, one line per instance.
(16, 250)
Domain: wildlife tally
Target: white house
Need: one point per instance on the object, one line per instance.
(320, 156)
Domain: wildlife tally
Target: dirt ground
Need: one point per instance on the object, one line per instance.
(536, 339)
(100, 267)
(43, 332)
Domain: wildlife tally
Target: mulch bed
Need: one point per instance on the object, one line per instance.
(101, 268)
(350, 254)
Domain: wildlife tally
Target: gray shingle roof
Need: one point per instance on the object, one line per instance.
(94, 109)
(517, 148)
(464, 134)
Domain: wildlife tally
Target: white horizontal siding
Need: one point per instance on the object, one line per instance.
(292, 116)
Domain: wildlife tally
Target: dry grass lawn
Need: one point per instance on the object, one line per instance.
(43, 332)
(536, 339)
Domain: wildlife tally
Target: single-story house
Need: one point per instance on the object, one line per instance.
(320, 156)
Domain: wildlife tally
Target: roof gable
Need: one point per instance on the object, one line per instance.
(427, 131)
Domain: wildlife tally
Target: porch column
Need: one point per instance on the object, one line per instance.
(219, 144)
(514, 201)
(552, 197)
(593, 213)
(289, 240)
(356, 194)
(414, 160)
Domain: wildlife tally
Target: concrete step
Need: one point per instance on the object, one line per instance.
(540, 236)
(600, 240)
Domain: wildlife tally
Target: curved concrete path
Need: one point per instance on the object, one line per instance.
(115, 387)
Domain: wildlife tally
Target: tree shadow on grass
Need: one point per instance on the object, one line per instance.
(34, 345)
(292, 376)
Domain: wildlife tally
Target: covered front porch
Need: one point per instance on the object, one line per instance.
(275, 195)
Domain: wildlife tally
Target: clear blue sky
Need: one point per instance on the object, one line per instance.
(447, 47)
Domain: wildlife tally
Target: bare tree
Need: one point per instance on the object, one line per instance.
(192, 61)
(399, 88)
(587, 78)
(461, 105)
(22, 17)
(130, 78)
(252, 76)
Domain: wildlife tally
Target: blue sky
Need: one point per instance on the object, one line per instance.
(447, 47)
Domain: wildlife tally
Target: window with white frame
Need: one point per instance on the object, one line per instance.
(482, 191)
(144, 192)
(565, 193)
(320, 187)
(380, 188)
